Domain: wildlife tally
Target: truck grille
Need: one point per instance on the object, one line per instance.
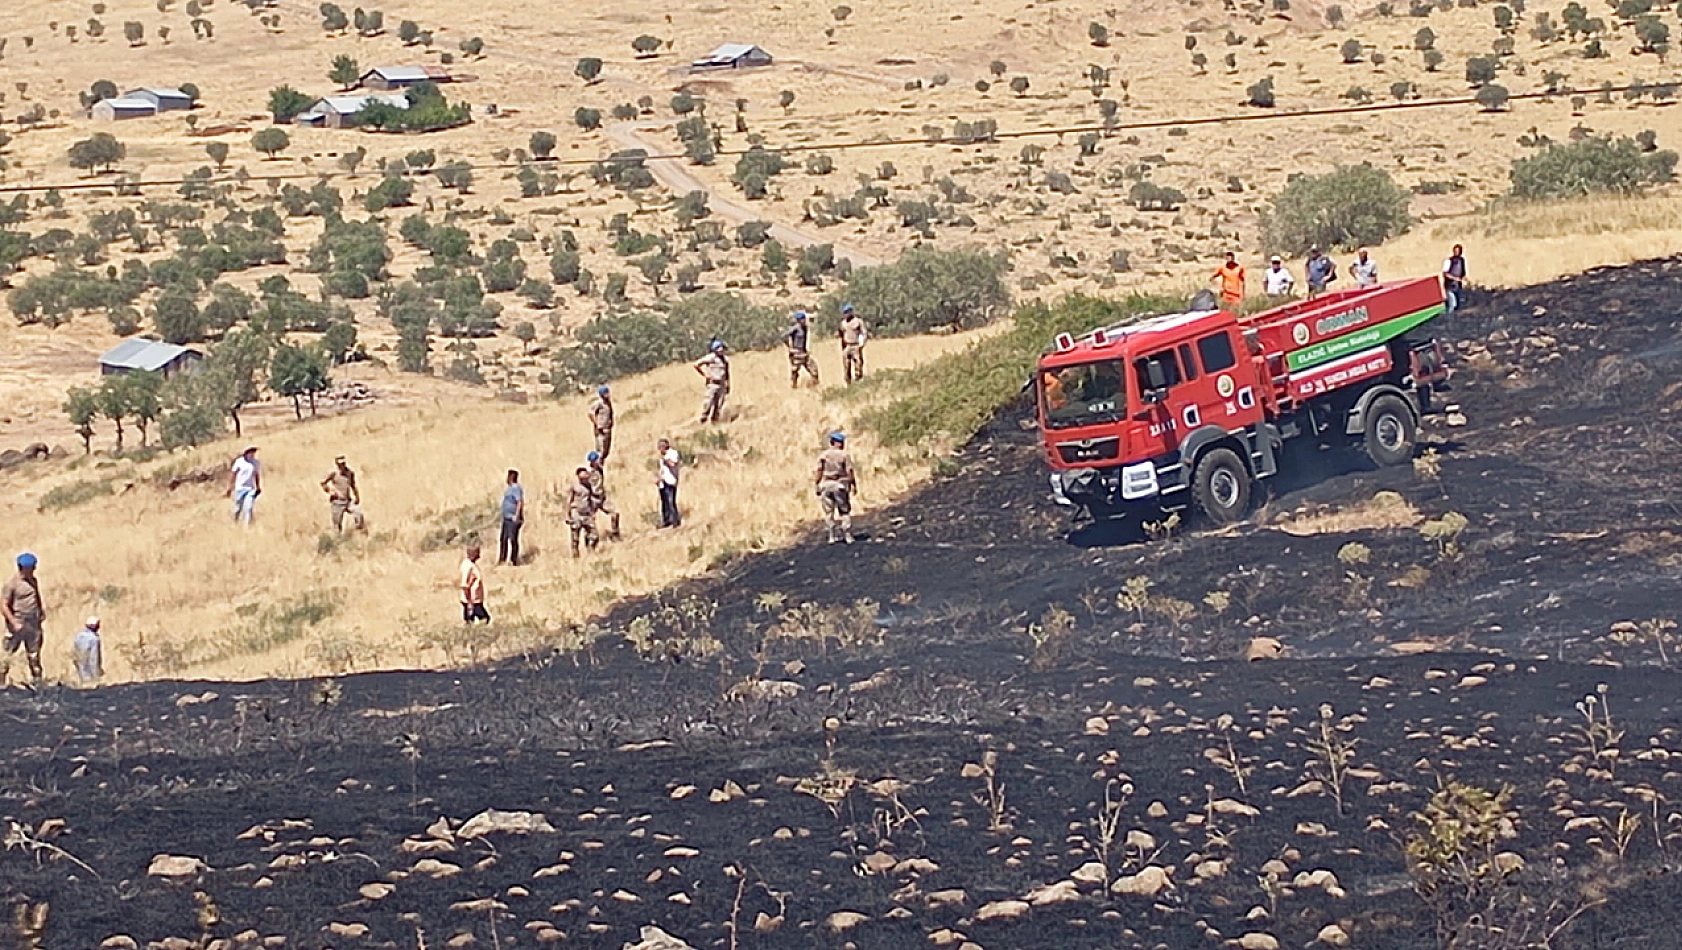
(1089, 450)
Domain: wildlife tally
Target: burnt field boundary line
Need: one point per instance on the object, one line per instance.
(1269, 116)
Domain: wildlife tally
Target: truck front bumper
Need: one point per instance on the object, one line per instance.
(1105, 489)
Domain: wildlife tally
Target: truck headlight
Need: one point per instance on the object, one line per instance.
(1138, 481)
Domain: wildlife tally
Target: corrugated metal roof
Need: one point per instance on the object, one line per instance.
(125, 104)
(349, 105)
(143, 354)
(731, 51)
(404, 73)
(165, 92)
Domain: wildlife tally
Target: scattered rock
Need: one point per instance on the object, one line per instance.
(945, 938)
(1263, 648)
(1060, 893)
(879, 863)
(1149, 882)
(653, 938)
(175, 867)
(1228, 806)
(682, 792)
(482, 906)
(766, 924)
(506, 822)
(375, 891)
(1332, 936)
(729, 792)
(432, 867)
(348, 930)
(1092, 872)
(189, 699)
(119, 942)
(951, 897)
(1002, 910)
(550, 935)
(679, 851)
(1140, 840)
(1258, 941)
(844, 920)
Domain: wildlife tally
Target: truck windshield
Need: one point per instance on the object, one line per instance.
(1084, 394)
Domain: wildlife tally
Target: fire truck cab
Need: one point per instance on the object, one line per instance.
(1193, 409)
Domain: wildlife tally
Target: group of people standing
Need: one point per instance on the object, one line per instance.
(584, 498)
(1231, 280)
(24, 612)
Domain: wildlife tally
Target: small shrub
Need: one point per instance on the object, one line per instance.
(1593, 164)
(1351, 206)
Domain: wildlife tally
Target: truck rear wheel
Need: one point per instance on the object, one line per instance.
(1390, 430)
(1221, 486)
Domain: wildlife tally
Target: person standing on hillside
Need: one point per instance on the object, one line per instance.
(853, 335)
(1454, 280)
(598, 484)
(343, 496)
(1320, 270)
(1229, 279)
(1364, 270)
(513, 518)
(581, 511)
(473, 588)
(245, 483)
(666, 463)
(715, 369)
(24, 612)
(835, 485)
(90, 657)
(798, 341)
(601, 421)
(1276, 280)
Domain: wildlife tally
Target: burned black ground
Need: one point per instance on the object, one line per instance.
(918, 645)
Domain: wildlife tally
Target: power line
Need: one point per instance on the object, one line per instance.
(1144, 125)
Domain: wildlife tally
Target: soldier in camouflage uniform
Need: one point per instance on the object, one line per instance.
(598, 484)
(835, 484)
(581, 511)
(715, 369)
(799, 352)
(601, 421)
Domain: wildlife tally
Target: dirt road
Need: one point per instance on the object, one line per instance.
(675, 175)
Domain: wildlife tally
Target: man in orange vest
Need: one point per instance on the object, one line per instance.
(1230, 278)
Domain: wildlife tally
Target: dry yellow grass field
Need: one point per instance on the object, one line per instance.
(184, 591)
(209, 599)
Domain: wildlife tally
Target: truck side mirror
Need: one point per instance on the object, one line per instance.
(1155, 375)
(1151, 397)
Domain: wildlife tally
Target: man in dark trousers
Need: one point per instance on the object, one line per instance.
(1454, 280)
(665, 479)
(24, 613)
(513, 518)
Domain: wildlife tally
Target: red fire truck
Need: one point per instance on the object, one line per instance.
(1193, 409)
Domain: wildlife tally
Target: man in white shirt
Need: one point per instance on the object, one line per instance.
(665, 479)
(1365, 269)
(245, 483)
(1276, 280)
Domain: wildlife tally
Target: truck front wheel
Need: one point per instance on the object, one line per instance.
(1221, 486)
(1390, 430)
